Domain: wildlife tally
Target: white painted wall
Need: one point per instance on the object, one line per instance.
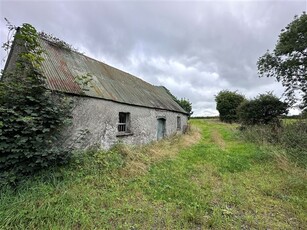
(100, 117)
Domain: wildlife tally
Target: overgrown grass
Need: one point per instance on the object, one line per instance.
(209, 178)
(290, 138)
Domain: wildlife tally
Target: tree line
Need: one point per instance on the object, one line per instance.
(263, 109)
(287, 63)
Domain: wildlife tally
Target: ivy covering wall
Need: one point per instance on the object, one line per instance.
(31, 116)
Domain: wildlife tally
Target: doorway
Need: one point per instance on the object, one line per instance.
(161, 128)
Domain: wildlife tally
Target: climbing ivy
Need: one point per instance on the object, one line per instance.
(31, 116)
(56, 41)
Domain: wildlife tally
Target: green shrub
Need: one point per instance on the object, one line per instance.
(31, 116)
(227, 103)
(264, 109)
(186, 105)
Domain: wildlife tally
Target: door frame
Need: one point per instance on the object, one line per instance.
(162, 121)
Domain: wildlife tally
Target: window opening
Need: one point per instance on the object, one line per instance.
(178, 123)
(124, 122)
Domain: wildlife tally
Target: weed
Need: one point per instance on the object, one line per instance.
(291, 137)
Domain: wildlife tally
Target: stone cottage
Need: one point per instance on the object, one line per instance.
(110, 105)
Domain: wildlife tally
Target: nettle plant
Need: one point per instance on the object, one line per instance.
(31, 116)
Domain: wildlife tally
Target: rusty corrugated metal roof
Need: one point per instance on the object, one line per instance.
(63, 67)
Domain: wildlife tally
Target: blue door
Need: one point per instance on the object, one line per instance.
(161, 128)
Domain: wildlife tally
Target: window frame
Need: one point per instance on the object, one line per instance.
(123, 125)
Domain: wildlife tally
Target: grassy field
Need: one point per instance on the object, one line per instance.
(209, 178)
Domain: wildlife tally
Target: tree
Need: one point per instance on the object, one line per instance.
(288, 61)
(227, 103)
(304, 113)
(264, 109)
(186, 105)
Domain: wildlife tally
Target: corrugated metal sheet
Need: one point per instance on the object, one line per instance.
(62, 67)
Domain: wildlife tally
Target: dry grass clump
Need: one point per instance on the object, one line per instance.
(138, 159)
(284, 164)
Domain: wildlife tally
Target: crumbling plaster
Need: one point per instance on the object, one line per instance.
(95, 123)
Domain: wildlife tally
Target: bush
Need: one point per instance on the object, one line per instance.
(227, 103)
(264, 109)
(186, 105)
(304, 114)
(31, 116)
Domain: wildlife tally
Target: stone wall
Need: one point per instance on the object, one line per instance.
(95, 124)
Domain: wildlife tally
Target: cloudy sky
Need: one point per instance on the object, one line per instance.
(194, 48)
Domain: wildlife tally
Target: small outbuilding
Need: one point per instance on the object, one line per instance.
(110, 105)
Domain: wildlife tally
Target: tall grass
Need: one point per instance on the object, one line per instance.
(208, 178)
(291, 137)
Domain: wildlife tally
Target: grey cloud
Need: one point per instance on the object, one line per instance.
(195, 48)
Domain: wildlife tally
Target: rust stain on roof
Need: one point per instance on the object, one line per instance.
(62, 67)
